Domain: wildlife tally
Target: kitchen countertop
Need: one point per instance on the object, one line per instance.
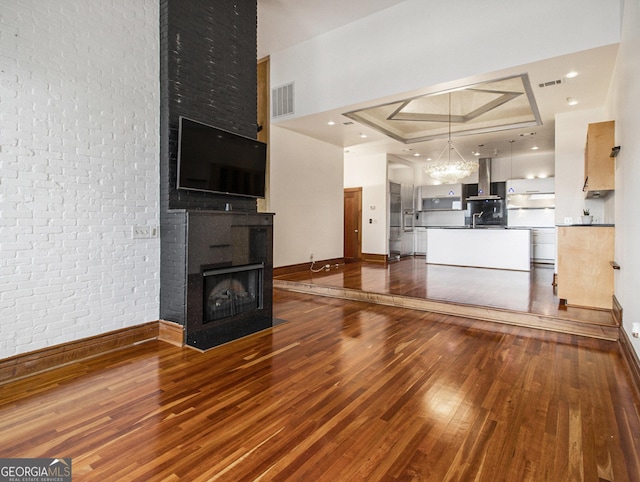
(586, 225)
(476, 228)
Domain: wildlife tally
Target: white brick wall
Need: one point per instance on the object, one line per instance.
(79, 167)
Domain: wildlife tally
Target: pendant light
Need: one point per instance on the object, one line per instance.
(449, 170)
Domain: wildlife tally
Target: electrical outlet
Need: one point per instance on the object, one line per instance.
(311, 257)
(635, 330)
(568, 220)
(143, 232)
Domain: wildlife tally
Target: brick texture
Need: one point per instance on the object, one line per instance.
(208, 73)
(79, 150)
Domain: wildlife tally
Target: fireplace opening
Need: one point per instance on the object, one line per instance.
(232, 291)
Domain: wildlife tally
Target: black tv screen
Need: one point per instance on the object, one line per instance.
(215, 160)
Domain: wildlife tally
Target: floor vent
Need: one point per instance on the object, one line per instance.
(550, 83)
(282, 100)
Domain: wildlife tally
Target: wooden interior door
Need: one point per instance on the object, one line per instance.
(352, 224)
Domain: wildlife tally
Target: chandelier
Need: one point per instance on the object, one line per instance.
(448, 170)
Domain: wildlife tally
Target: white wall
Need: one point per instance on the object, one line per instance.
(571, 137)
(307, 196)
(370, 173)
(623, 107)
(411, 46)
(79, 160)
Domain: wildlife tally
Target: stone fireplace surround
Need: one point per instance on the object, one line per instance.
(208, 72)
(214, 240)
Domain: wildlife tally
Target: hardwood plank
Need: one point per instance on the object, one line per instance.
(344, 390)
(603, 331)
(514, 291)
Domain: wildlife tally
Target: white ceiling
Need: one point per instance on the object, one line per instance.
(283, 23)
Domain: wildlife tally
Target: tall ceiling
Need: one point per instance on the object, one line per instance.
(284, 23)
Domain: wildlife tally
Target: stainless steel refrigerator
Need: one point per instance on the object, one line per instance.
(401, 220)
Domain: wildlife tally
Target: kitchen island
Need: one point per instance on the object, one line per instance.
(499, 248)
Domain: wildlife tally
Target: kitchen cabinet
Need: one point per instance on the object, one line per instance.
(421, 241)
(599, 168)
(441, 190)
(585, 276)
(524, 186)
(482, 248)
(543, 245)
(442, 197)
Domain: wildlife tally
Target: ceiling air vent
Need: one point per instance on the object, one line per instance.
(550, 83)
(282, 100)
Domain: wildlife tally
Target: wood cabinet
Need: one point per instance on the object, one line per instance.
(599, 168)
(585, 277)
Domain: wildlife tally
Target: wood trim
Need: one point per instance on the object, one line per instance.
(296, 268)
(629, 354)
(374, 258)
(27, 364)
(171, 332)
(263, 120)
(616, 311)
(631, 358)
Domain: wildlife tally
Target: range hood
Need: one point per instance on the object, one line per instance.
(484, 181)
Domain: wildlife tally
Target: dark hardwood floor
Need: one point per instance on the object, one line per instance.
(339, 391)
(513, 297)
(518, 291)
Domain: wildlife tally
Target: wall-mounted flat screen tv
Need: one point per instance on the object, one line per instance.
(215, 160)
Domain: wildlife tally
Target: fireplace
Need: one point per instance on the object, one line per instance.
(232, 291)
(229, 264)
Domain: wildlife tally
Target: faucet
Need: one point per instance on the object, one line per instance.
(477, 216)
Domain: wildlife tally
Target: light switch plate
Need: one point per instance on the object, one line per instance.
(140, 232)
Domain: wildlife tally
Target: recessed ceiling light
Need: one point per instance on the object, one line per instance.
(331, 123)
(428, 158)
(571, 101)
(363, 135)
(535, 148)
(571, 74)
(476, 153)
(417, 154)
